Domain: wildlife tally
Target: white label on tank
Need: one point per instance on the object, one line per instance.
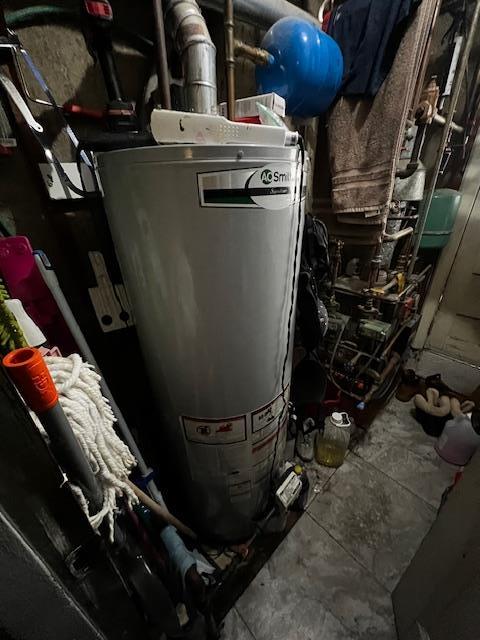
(266, 415)
(224, 431)
(238, 453)
(272, 186)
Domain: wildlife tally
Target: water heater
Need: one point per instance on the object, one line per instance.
(207, 237)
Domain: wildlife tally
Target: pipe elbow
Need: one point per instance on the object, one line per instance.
(198, 54)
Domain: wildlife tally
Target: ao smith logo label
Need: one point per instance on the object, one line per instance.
(268, 176)
(271, 186)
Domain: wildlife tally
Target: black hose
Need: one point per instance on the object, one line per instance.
(48, 14)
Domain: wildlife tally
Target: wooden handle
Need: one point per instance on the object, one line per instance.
(162, 512)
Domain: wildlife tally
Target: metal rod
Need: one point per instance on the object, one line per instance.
(161, 60)
(391, 237)
(110, 73)
(445, 134)
(70, 455)
(230, 59)
(442, 121)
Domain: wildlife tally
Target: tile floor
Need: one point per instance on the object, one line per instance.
(332, 576)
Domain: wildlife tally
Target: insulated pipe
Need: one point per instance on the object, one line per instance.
(197, 51)
(261, 13)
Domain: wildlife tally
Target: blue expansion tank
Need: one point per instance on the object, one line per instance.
(306, 68)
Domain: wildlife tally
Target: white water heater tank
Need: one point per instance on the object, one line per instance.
(207, 237)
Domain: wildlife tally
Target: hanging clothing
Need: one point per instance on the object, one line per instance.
(369, 33)
(365, 135)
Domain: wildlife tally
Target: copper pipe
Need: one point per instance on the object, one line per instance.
(255, 54)
(163, 91)
(230, 59)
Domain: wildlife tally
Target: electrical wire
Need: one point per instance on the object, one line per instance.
(283, 412)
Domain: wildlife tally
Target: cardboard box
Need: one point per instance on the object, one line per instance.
(247, 108)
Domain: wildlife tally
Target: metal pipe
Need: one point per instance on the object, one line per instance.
(262, 13)
(69, 454)
(161, 56)
(442, 121)
(229, 58)
(390, 366)
(110, 73)
(445, 135)
(255, 54)
(197, 51)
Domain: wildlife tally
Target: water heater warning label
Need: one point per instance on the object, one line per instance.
(224, 431)
(263, 417)
(272, 186)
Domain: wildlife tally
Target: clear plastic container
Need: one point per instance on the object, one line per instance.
(332, 445)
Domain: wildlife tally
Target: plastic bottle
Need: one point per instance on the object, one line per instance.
(459, 440)
(332, 445)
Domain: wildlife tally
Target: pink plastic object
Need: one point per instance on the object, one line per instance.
(25, 282)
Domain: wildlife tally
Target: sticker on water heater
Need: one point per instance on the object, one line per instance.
(273, 444)
(222, 431)
(272, 186)
(266, 415)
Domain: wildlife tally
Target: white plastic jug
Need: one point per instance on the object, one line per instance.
(458, 441)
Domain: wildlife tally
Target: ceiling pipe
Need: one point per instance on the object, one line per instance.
(197, 52)
(229, 58)
(261, 13)
(163, 92)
